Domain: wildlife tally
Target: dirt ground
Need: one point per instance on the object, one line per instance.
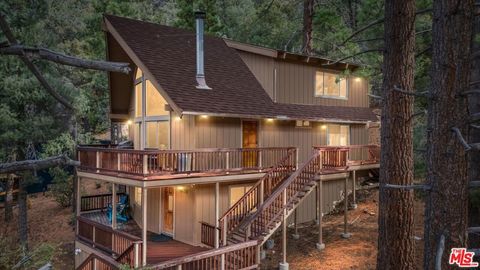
(359, 252)
(50, 223)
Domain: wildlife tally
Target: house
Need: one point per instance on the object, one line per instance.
(230, 142)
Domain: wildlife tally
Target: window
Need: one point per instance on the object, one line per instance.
(338, 135)
(138, 196)
(136, 135)
(138, 100)
(236, 192)
(155, 102)
(330, 85)
(157, 134)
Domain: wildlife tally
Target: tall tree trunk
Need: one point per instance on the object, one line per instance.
(395, 242)
(8, 198)
(447, 206)
(22, 215)
(307, 26)
(474, 107)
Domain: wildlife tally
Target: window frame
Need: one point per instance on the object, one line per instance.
(323, 95)
(349, 134)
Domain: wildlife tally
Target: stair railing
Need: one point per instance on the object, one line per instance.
(258, 193)
(274, 208)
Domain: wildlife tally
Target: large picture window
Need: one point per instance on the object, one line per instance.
(157, 135)
(338, 135)
(330, 85)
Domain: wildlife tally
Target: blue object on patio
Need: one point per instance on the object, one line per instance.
(121, 209)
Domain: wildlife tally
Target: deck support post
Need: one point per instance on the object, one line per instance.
(295, 235)
(78, 193)
(97, 160)
(262, 191)
(284, 265)
(144, 226)
(345, 233)
(114, 206)
(354, 187)
(320, 245)
(136, 259)
(217, 214)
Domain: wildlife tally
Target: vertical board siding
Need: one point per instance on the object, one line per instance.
(262, 68)
(184, 215)
(284, 133)
(153, 209)
(182, 132)
(217, 132)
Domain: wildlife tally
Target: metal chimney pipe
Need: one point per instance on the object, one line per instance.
(199, 20)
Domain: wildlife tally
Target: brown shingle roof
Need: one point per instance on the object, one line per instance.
(169, 55)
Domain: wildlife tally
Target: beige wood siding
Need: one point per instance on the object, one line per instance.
(182, 132)
(284, 133)
(217, 132)
(296, 84)
(153, 209)
(262, 68)
(184, 224)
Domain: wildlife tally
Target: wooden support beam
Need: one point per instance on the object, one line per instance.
(144, 226)
(320, 245)
(114, 206)
(345, 233)
(284, 264)
(354, 189)
(295, 218)
(217, 214)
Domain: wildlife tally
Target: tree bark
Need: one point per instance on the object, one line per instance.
(22, 215)
(8, 199)
(307, 26)
(395, 242)
(447, 204)
(30, 165)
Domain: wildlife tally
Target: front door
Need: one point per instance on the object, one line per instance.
(250, 140)
(168, 209)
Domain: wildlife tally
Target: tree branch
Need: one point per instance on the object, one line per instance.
(41, 53)
(8, 33)
(345, 58)
(375, 96)
(408, 187)
(420, 94)
(29, 165)
(461, 139)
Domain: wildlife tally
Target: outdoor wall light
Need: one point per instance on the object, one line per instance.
(269, 119)
(323, 127)
(204, 116)
(358, 79)
(129, 122)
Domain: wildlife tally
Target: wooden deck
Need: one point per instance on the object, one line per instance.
(158, 251)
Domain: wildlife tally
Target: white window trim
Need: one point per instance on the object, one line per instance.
(347, 90)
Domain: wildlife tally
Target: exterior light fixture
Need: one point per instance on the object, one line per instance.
(269, 119)
(129, 122)
(178, 118)
(204, 116)
(358, 79)
(323, 127)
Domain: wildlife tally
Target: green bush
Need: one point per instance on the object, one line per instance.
(62, 187)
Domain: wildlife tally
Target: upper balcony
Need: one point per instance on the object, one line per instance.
(149, 165)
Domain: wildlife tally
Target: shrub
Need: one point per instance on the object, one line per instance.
(62, 187)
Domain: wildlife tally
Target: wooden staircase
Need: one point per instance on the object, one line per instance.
(263, 219)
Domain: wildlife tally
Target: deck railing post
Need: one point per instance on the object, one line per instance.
(227, 161)
(261, 192)
(94, 261)
(179, 267)
(296, 158)
(145, 164)
(97, 161)
(93, 236)
(224, 231)
(136, 262)
(118, 161)
(260, 159)
(222, 262)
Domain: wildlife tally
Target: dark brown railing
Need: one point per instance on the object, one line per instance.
(166, 162)
(207, 234)
(125, 247)
(334, 157)
(97, 202)
(233, 257)
(258, 193)
(99, 262)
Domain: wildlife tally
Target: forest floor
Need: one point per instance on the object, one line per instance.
(50, 223)
(358, 252)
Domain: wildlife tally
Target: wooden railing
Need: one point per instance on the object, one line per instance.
(99, 262)
(273, 209)
(334, 157)
(207, 234)
(97, 202)
(164, 162)
(238, 256)
(258, 193)
(123, 246)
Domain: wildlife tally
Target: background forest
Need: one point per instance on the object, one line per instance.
(34, 125)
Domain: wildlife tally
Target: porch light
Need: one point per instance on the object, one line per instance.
(323, 127)
(358, 79)
(129, 122)
(204, 116)
(177, 118)
(269, 119)
(181, 188)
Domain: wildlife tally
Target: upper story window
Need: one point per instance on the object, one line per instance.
(155, 102)
(330, 85)
(338, 135)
